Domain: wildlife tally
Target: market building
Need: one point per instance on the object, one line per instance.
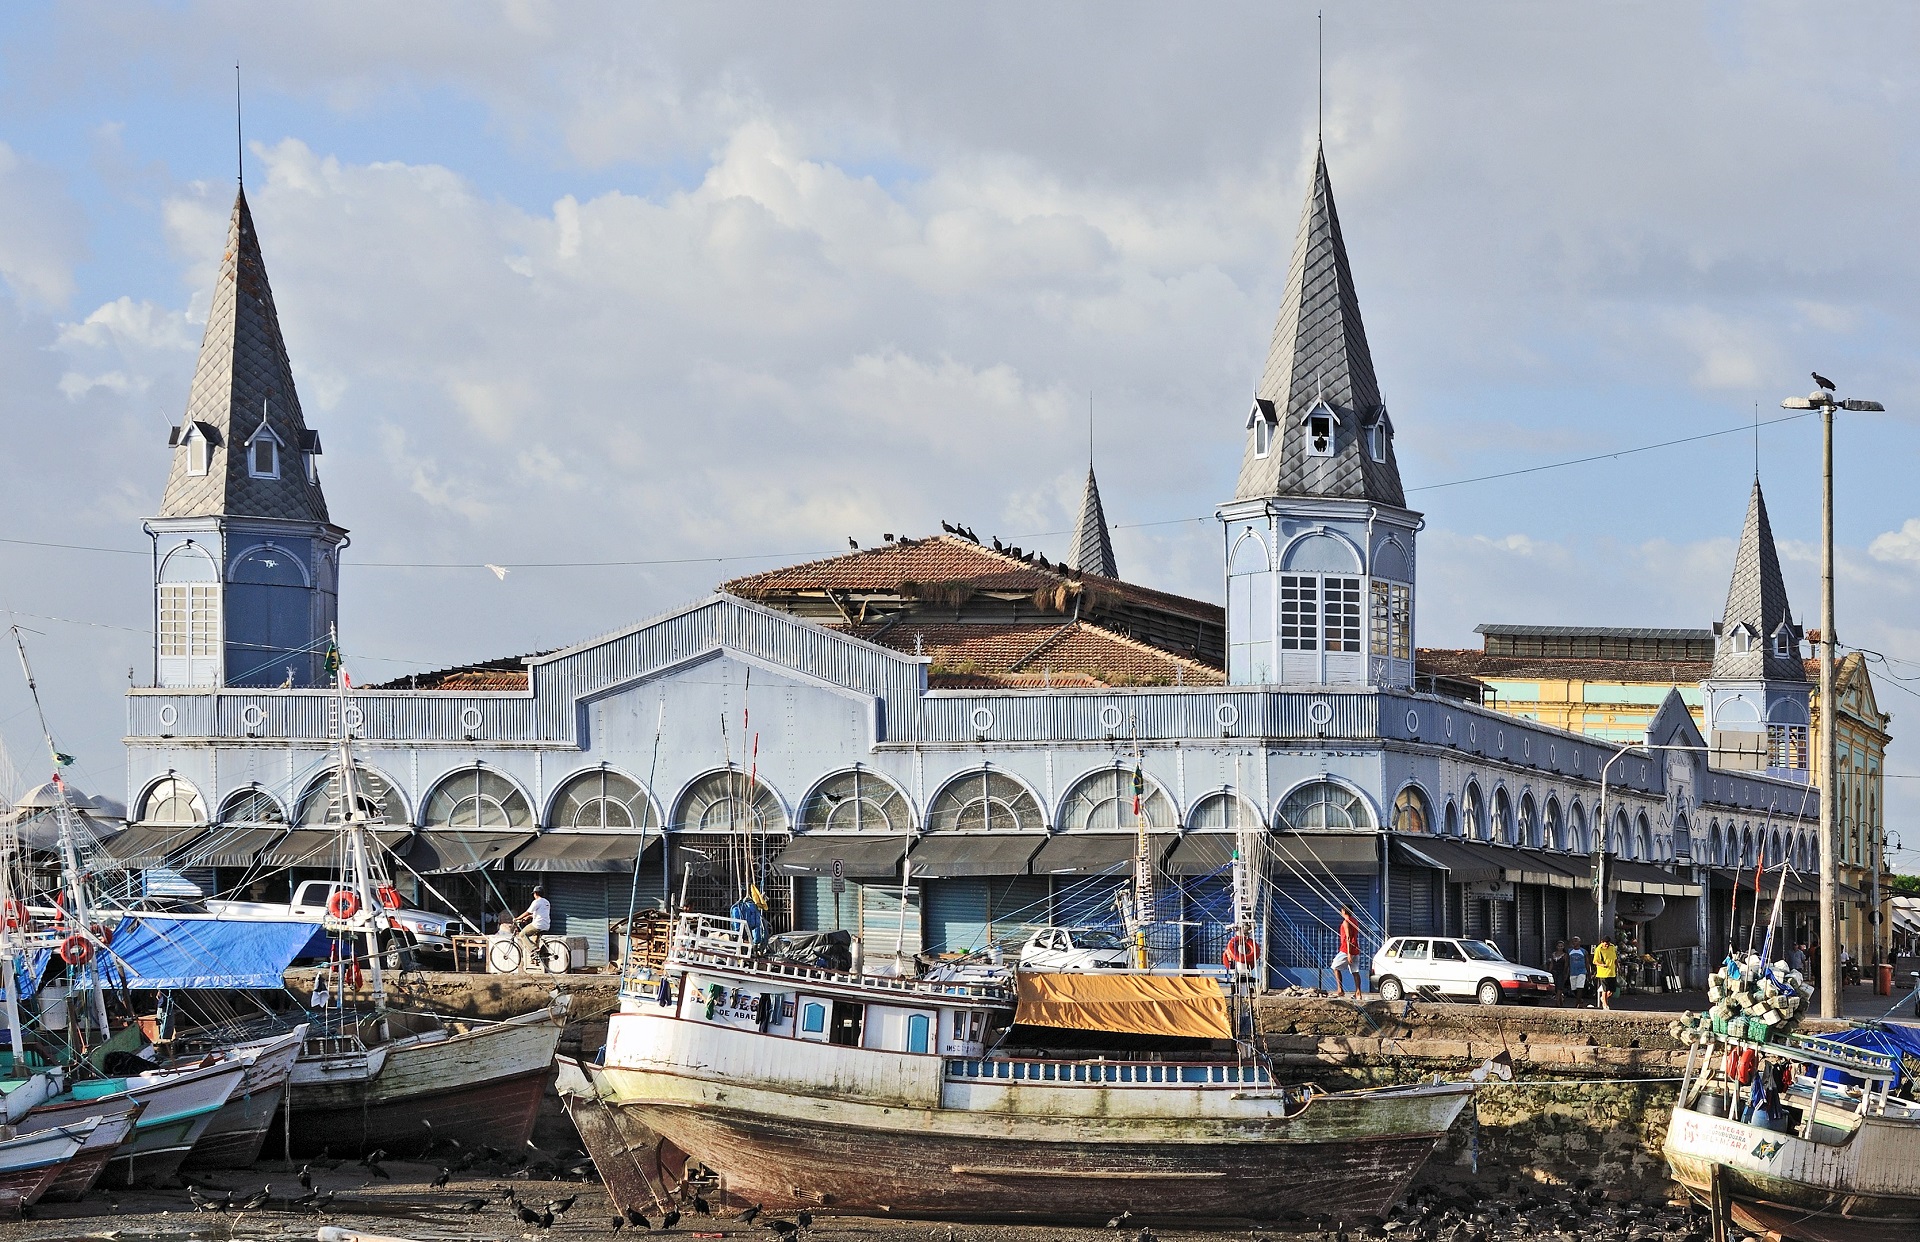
(972, 739)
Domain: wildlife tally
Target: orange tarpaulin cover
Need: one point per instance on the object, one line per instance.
(1189, 1005)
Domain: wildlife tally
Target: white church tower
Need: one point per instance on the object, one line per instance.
(1319, 541)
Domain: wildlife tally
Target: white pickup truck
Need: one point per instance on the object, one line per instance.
(420, 930)
(1076, 948)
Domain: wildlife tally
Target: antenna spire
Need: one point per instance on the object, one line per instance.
(239, 139)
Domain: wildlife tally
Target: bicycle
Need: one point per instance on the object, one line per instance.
(505, 957)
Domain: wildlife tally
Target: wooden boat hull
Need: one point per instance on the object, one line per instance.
(1865, 1188)
(240, 1128)
(482, 1086)
(84, 1169)
(1348, 1155)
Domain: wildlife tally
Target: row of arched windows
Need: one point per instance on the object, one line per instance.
(856, 800)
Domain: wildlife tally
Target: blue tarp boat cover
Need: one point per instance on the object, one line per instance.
(1902, 1041)
(160, 951)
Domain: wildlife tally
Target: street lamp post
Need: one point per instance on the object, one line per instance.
(1824, 400)
(1601, 923)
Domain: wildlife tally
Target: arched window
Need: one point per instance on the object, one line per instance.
(173, 801)
(1105, 799)
(379, 800)
(856, 801)
(1554, 830)
(1323, 805)
(1473, 814)
(1221, 811)
(603, 799)
(730, 801)
(985, 801)
(1411, 812)
(477, 797)
(252, 806)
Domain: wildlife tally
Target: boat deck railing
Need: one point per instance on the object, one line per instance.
(1109, 1073)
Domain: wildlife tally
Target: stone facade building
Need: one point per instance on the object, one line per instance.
(974, 738)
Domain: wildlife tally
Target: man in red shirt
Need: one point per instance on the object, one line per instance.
(1349, 953)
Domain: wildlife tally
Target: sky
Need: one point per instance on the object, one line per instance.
(632, 299)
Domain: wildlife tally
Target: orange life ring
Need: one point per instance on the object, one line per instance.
(14, 911)
(389, 896)
(343, 904)
(1241, 951)
(75, 950)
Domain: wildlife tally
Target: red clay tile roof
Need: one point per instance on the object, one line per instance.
(904, 567)
(983, 655)
(1447, 662)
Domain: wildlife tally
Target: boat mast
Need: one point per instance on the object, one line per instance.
(71, 881)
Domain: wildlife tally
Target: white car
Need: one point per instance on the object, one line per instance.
(1076, 948)
(1445, 966)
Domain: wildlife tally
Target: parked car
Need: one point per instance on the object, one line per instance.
(1076, 948)
(422, 930)
(1443, 965)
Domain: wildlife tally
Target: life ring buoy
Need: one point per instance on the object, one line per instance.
(343, 904)
(1240, 951)
(76, 950)
(389, 896)
(14, 913)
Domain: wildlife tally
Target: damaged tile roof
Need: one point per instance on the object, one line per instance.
(972, 655)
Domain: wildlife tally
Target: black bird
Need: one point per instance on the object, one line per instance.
(671, 1219)
(783, 1228)
(1120, 1220)
(701, 1206)
(306, 1176)
(804, 1218)
(747, 1216)
(471, 1206)
(446, 1175)
(258, 1200)
(559, 1206)
(637, 1220)
(1823, 381)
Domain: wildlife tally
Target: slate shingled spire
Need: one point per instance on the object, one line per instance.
(243, 377)
(1092, 544)
(1757, 608)
(1319, 353)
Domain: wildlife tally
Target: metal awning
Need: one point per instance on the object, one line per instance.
(1096, 853)
(949, 855)
(862, 855)
(230, 847)
(317, 847)
(608, 852)
(1627, 876)
(148, 845)
(438, 851)
(1465, 862)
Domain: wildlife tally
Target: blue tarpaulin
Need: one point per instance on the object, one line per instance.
(158, 951)
(1903, 1042)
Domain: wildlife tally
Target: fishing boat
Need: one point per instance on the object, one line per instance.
(801, 1086)
(239, 1130)
(30, 1163)
(115, 1127)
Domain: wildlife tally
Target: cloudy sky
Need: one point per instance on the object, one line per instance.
(700, 289)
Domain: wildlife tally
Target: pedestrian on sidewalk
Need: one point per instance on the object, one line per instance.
(1577, 973)
(1349, 953)
(1606, 971)
(1557, 964)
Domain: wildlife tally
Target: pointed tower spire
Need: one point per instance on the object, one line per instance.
(1758, 639)
(244, 449)
(1317, 427)
(1092, 545)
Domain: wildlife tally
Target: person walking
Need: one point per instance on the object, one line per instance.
(1557, 966)
(1577, 973)
(1606, 971)
(1348, 954)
